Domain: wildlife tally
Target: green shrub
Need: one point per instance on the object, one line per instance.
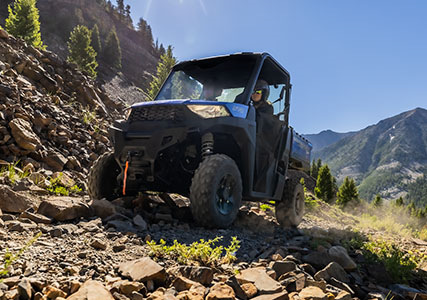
(347, 193)
(55, 187)
(202, 252)
(89, 117)
(398, 263)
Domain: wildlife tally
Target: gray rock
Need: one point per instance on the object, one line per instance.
(282, 267)
(339, 254)
(143, 269)
(313, 293)
(13, 202)
(332, 270)
(55, 160)
(140, 222)
(24, 134)
(203, 275)
(38, 218)
(103, 208)
(317, 259)
(25, 290)
(98, 244)
(92, 290)
(64, 208)
(276, 296)
(259, 277)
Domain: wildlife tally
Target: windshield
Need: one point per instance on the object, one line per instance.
(217, 79)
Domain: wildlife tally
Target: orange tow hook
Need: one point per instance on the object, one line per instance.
(125, 178)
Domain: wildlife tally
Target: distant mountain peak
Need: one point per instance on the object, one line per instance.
(383, 158)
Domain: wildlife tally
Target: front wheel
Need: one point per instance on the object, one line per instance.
(103, 178)
(290, 210)
(216, 192)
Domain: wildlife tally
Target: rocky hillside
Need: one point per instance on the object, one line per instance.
(382, 158)
(325, 138)
(53, 118)
(99, 250)
(59, 17)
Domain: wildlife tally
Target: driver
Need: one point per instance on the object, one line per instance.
(211, 91)
(259, 97)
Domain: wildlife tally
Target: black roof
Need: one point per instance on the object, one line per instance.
(234, 65)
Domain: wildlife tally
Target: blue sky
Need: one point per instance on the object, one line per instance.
(352, 63)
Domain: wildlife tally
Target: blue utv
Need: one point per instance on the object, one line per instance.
(203, 138)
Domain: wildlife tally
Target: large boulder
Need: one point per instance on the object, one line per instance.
(103, 208)
(339, 254)
(24, 134)
(55, 160)
(64, 208)
(259, 277)
(92, 290)
(13, 202)
(143, 269)
(203, 275)
(313, 293)
(333, 270)
(221, 291)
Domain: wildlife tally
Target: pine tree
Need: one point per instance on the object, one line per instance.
(411, 208)
(109, 6)
(313, 170)
(145, 32)
(167, 61)
(315, 167)
(127, 11)
(399, 202)
(378, 201)
(112, 50)
(121, 7)
(347, 192)
(96, 40)
(141, 25)
(23, 22)
(80, 51)
(149, 36)
(162, 50)
(324, 185)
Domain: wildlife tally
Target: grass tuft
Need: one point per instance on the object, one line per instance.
(9, 257)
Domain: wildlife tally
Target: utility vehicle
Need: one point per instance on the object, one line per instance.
(201, 137)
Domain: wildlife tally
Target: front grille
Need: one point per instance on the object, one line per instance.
(157, 113)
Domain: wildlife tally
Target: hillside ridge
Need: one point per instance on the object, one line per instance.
(394, 147)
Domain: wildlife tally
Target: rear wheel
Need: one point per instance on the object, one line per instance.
(290, 210)
(103, 178)
(216, 192)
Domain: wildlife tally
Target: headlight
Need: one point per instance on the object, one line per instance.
(209, 111)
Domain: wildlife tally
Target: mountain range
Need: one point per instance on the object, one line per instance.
(385, 158)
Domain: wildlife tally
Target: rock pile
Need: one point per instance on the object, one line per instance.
(52, 117)
(89, 257)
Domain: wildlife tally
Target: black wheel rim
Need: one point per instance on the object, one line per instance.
(224, 195)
